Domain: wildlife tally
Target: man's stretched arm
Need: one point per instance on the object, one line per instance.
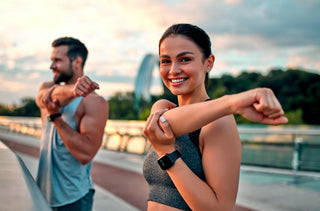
(64, 94)
(84, 142)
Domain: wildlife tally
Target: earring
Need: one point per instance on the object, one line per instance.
(208, 70)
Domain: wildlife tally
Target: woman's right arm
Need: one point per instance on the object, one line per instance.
(258, 105)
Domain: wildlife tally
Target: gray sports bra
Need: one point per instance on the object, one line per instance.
(161, 187)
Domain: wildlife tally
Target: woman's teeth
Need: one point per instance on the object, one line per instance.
(177, 80)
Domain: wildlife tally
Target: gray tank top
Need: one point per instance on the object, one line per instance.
(61, 178)
(161, 187)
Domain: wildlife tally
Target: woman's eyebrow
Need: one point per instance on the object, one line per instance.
(180, 54)
(164, 56)
(185, 53)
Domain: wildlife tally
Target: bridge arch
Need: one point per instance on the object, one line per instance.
(144, 78)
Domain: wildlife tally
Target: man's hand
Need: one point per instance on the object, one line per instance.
(84, 86)
(52, 105)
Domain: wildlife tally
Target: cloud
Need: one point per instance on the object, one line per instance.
(245, 35)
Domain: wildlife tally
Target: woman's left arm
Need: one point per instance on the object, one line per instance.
(221, 159)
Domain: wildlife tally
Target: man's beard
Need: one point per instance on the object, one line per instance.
(64, 77)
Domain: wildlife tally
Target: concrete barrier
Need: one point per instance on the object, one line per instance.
(18, 189)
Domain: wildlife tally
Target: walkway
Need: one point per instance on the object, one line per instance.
(120, 185)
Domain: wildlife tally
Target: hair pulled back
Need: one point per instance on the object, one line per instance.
(195, 34)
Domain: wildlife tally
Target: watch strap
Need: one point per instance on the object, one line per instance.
(167, 161)
(52, 117)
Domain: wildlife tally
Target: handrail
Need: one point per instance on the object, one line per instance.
(121, 134)
(279, 131)
(18, 189)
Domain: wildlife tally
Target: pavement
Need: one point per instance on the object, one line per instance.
(120, 185)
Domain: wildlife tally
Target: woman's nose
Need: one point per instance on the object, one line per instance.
(175, 68)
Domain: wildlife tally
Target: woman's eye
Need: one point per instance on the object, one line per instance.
(165, 61)
(185, 59)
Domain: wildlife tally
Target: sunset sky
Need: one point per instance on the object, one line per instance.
(251, 35)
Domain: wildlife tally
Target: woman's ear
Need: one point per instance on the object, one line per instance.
(210, 62)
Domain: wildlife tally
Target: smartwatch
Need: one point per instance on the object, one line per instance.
(52, 117)
(167, 161)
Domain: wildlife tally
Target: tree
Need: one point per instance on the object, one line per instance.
(28, 108)
(121, 106)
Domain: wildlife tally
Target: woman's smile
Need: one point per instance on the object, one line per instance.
(177, 81)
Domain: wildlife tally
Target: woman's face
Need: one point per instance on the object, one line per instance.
(181, 65)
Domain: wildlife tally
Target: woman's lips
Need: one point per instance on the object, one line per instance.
(177, 81)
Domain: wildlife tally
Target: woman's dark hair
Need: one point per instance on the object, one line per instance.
(75, 48)
(195, 34)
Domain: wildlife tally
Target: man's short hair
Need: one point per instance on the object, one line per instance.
(75, 48)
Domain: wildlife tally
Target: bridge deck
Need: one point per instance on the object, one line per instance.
(119, 181)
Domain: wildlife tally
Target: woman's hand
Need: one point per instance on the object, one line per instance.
(159, 133)
(258, 105)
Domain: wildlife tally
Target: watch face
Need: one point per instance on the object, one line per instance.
(165, 162)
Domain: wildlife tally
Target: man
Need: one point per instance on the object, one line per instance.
(73, 118)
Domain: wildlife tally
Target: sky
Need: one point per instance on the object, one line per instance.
(251, 35)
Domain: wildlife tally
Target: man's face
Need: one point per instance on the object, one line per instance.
(61, 64)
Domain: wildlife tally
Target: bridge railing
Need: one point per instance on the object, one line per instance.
(281, 147)
(18, 189)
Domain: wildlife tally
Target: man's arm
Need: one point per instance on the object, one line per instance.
(64, 94)
(84, 143)
(44, 89)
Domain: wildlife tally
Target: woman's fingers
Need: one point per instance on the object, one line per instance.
(264, 107)
(158, 130)
(275, 121)
(152, 123)
(166, 128)
(268, 104)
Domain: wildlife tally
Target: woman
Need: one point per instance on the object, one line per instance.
(194, 162)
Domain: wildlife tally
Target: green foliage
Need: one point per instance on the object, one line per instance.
(144, 114)
(28, 108)
(4, 110)
(294, 117)
(121, 106)
(298, 92)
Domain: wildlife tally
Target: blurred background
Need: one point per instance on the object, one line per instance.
(271, 44)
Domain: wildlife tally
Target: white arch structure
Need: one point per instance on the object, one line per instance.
(144, 78)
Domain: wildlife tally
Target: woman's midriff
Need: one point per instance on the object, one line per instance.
(155, 206)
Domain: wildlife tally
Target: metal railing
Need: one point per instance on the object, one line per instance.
(274, 146)
(291, 148)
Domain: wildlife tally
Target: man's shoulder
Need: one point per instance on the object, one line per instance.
(96, 106)
(93, 99)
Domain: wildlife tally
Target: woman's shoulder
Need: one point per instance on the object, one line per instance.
(221, 123)
(224, 126)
